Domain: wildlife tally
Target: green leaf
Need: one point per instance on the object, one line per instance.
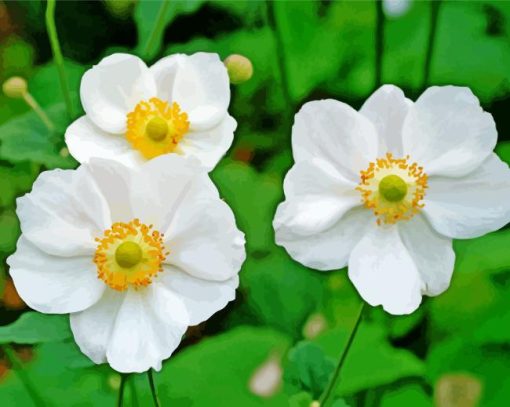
(371, 361)
(146, 14)
(302, 399)
(239, 184)
(503, 151)
(9, 225)
(489, 365)
(15, 181)
(221, 367)
(280, 292)
(25, 138)
(33, 327)
(308, 369)
(340, 403)
(405, 396)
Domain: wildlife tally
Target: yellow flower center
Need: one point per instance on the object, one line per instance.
(156, 127)
(129, 254)
(393, 188)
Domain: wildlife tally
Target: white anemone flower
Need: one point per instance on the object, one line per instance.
(386, 189)
(135, 113)
(134, 255)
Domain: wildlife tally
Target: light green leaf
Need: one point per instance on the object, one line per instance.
(302, 399)
(14, 181)
(371, 361)
(10, 231)
(25, 138)
(405, 396)
(33, 327)
(221, 368)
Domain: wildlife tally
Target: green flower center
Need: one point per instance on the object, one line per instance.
(157, 129)
(128, 254)
(393, 188)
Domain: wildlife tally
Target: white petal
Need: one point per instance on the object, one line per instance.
(202, 89)
(384, 273)
(396, 8)
(330, 249)
(337, 133)
(85, 141)
(210, 146)
(387, 108)
(317, 196)
(447, 132)
(202, 298)
(64, 213)
(154, 202)
(51, 284)
(114, 180)
(203, 239)
(92, 328)
(432, 254)
(164, 72)
(471, 206)
(148, 328)
(112, 88)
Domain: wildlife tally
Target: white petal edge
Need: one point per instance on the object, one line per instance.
(471, 206)
(51, 284)
(431, 252)
(112, 88)
(330, 249)
(202, 298)
(383, 272)
(210, 146)
(64, 213)
(335, 132)
(387, 108)
(85, 141)
(201, 87)
(447, 132)
(317, 196)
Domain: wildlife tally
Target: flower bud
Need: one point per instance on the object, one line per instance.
(239, 68)
(15, 87)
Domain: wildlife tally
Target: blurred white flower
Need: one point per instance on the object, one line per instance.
(135, 113)
(267, 378)
(395, 8)
(133, 260)
(385, 189)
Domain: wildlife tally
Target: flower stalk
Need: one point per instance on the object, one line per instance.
(434, 14)
(57, 55)
(328, 394)
(120, 399)
(152, 386)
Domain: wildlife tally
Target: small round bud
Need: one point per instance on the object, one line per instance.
(239, 68)
(315, 404)
(15, 87)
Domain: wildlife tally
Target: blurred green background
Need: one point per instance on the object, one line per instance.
(278, 342)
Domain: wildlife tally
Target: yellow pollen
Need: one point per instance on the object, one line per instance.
(155, 127)
(129, 255)
(393, 188)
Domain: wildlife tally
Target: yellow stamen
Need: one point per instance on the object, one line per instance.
(156, 128)
(393, 188)
(129, 254)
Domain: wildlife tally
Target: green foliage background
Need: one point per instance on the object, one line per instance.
(285, 315)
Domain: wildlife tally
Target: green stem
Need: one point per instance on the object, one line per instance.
(57, 55)
(434, 13)
(30, 101)
(280, 56)
(23, 376)
(134, 393)
(120, 399)
(157, 28)
(333, 383)
(379, 42)
(153, 388)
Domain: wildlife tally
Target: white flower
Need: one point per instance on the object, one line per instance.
(134, 255)
(385, 189)
(135, 113)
